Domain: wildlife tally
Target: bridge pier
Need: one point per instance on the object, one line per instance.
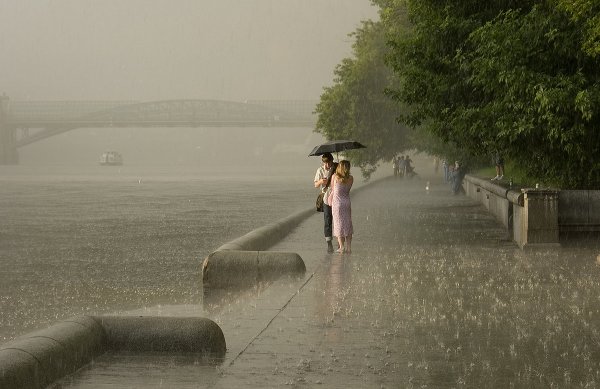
(8, 136)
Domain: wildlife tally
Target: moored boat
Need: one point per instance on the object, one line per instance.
(111, 158)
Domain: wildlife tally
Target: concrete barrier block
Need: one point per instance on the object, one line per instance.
(82, 338)
(62, 348)
(163, 334)
(594, 199)
(272, 265)
(53, 359)
(266, 236)
(573, 207)
(19, 369)
(230, 268)
(241, 269)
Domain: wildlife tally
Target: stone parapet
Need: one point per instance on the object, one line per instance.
(38, 359)
(529, 215)
(539, 221)
(579, 210)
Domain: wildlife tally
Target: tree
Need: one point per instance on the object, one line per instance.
(542, 92)
(356, 106)
(503, 75)
(586, 12)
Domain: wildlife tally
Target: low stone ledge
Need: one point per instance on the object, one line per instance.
(515, 197)
(55, 351)
(235, 268)
(491, 186)
(19, 369)
(38, 359)
(163, 334)
(264, 237)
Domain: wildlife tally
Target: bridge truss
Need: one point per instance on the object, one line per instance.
(34, 121)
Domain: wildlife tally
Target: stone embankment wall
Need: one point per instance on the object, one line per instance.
(579, 210)
(534, 216)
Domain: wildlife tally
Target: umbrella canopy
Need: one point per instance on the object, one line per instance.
(335, 146)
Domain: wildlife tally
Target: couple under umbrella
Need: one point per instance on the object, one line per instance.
(334, 181)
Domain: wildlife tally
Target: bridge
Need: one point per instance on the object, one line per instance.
(25, 122)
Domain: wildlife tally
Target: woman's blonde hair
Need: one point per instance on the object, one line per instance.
(343, 171)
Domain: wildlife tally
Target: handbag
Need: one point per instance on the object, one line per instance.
(320, 202)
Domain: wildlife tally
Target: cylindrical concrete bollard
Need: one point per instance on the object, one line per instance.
(57, 351)
(164, 334)
(273, 264)
(19, 369)
(38, 359)
(264, 237)
(233, 268)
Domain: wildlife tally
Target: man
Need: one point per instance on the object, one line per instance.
(458, 174)
(322, 181)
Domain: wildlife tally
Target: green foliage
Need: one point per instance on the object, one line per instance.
(504, 75)
(542, 95)
(356, 107)
(587, 14)
(521, 77)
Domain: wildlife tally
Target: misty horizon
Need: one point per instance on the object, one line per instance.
(160, 50)
(222, 146)
(155, 50)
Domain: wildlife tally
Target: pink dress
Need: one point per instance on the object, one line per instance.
(341, 209)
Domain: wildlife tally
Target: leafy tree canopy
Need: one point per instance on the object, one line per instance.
(520, 77)
(516, 76)
(356, 107)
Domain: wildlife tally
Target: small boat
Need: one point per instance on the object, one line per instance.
(111, 158)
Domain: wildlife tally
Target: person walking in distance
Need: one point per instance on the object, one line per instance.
(339, 198)
(499, 162)
(322, 181)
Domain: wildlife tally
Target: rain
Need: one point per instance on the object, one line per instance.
(435, 293)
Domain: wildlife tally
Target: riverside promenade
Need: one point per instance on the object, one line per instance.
(433, 295)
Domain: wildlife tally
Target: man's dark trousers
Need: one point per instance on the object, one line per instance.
(328, 218)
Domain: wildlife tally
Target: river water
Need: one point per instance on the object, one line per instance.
(93, 240)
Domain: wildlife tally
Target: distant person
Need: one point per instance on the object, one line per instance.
(322, 181)
(499, 162)
(408, 169)
(401, 166)
(457, 176)
(339, 198)
(446, 169)
(436, 165)
(395, 166)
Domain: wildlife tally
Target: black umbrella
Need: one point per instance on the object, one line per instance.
(335, 146)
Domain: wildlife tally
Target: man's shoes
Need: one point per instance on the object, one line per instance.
(501, 177)
(329, 247)
(496, 178)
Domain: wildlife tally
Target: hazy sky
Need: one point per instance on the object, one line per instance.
(166, 49)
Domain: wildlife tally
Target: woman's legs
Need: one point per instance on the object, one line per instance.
(348, 247)
(345, 243)
(341, 243)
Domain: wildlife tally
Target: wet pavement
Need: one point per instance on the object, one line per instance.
(433, 295)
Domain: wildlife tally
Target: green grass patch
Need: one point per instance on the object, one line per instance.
(512, 172)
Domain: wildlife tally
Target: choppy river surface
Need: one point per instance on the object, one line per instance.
(95, 240)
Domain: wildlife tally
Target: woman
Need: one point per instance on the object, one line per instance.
(339, 198)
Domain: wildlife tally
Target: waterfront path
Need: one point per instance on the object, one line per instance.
(433, 295)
